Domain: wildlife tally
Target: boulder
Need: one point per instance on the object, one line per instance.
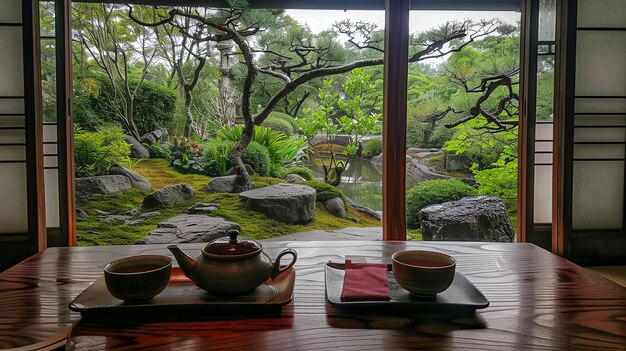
(288, 203)
(249, 169)
(148, 138)
(294, 178)
(204, 207)
(481, 218)
(225, 184)
(101, 185)
(136, 149)
(136, 179)
(189, 229)
(169, 196)
(336, 207)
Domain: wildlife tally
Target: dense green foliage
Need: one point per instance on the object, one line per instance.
(257, 156)
(282, 148)
(303, 172)
(431, 192)
(216, 153)
(279, 125)
(96, 152)
(285, 117)
(154, 106)
(372, 148)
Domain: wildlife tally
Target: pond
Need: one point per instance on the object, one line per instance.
(361, 181)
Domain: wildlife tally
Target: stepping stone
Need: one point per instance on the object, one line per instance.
(189, 229)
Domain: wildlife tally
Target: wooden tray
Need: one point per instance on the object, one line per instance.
(462, 295)
(181, 299)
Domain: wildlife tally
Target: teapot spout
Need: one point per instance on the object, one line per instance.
(186, 263)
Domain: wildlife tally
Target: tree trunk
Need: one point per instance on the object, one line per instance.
(242, 181)
(188, 115)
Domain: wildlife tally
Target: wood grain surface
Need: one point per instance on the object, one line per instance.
(538, 302)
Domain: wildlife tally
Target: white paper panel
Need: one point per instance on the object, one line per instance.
(596, 105)
(51, 177)
(542, 212)
(598, 190)
(599, 134)
(601, 63)
(49, 148)
(11, 56)
(11, 11)
(599, 151)
(601, 13)
(50, 161)
(547, 19)
(11, 105)
(49, 133)
(601, 120)
(12, 153)
(543, 158)
(11, 136)
(543, 146)
(13, 209)
(543, 131)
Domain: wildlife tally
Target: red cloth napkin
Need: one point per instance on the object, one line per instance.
(365, 282)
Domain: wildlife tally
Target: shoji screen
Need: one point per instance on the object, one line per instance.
(20, 220)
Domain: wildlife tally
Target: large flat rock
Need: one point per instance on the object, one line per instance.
(189, 229)
(101, 185)
(480, 218)
(136, 179)
(287, 203)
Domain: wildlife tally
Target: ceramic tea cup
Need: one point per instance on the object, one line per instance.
(137, 278)
(423, 273)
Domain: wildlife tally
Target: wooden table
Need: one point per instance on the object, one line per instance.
(538, 301)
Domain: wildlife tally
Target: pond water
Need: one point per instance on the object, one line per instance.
(361, 181)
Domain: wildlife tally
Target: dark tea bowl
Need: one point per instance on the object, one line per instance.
(423, 273)
(136, 279)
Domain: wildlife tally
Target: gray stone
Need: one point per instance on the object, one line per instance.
(101, 185)
(136, 149)
(204, 207)
(169, 196)
(288, 203)
(366, 210)
(479, 218)
(100, 212)
(336, 207)
(225, 184)
(131, 212)
(136, 179)
(81, 215)
(189, 229)
(147, 215)
(294, 178)
(148, 138)
(249, 169)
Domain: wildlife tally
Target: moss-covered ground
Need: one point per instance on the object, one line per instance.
(93, 231)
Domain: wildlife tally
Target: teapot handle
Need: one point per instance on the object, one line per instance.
(276, 270)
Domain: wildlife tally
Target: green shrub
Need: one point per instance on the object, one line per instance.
(159, 150)
(278, 125)
(301, 171)
(187, 156)
(154, 107)
(216, 155)
(277, 171)
(257, 156)
(96, 152)
(282, 148)
(431, 192)
(372, 148)
(324, 191)
(285, 117)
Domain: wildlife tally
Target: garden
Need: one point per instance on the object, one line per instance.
(190, 118)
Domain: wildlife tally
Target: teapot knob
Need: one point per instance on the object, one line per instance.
(233, 233)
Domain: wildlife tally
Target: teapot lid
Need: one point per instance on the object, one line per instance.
(230, 246)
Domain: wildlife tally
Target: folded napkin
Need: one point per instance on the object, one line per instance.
(365, 282)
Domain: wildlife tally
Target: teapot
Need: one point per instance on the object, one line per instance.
(229, 266)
